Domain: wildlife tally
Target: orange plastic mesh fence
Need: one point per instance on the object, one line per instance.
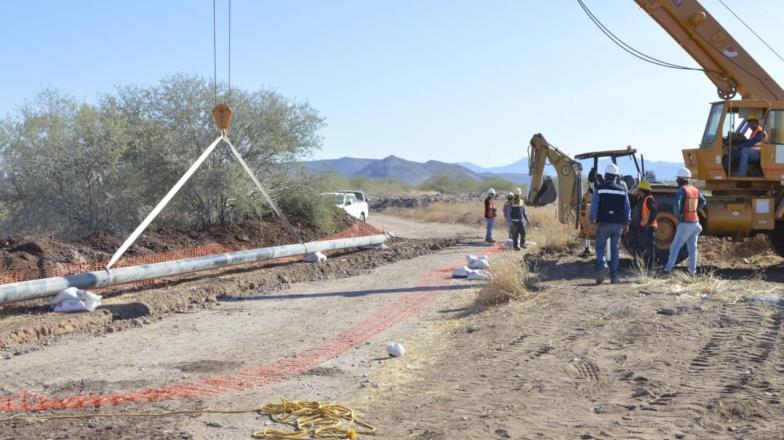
(65, 269)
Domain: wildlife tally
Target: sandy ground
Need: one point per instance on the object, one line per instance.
(574, 361)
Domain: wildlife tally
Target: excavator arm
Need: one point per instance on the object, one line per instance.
(723, 60)
(541, 190)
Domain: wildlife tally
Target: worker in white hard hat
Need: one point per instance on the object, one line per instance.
(749, 150)
(688, 202)
(610, 209)
(490, 212)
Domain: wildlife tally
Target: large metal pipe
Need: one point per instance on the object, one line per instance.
(44, 287)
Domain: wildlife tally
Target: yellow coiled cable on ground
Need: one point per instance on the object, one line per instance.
(310, 419)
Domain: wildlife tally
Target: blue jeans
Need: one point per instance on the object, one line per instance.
(747, 154)
(612, 231)
(686, 233)
(489, 235)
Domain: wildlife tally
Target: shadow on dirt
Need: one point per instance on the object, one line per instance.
(347, 293)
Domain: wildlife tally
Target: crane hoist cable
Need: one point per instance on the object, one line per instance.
(751, 29)
(628, 48)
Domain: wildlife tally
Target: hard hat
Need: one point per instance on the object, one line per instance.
(611, 169)
(491, 191)
(684, 173)
(644, 184)
(752, 116)
(509, 195)
(518, 191)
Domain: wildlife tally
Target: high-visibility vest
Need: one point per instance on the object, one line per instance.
(755, 132)
(690, 204)
(645, 214)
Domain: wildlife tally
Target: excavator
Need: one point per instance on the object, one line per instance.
(574, 202)
(738, 206)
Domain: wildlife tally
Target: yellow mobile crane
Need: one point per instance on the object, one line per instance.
(738, 206)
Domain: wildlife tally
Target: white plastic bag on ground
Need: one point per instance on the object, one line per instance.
(71, 305)
(475, 262)
(65, 294)
(75, 300)
(91, 300)
(396, 349)
(531, 243)
(479, 275)
(315, 257)
(461, 272)
(509, 244)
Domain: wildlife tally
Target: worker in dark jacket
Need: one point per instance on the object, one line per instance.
(490, 213)
(688, 202)
(646, 232)
(518, 218)
(610, 209)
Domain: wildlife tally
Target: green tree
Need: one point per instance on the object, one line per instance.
(72, 168)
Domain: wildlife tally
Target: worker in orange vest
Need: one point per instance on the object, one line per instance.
(749, 150)
(646, 232)
(490, 213)
(688, 202)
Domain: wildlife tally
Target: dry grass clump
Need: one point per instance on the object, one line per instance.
(510, 281)
(549, 234)
(704, 286)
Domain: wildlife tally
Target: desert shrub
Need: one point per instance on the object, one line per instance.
(72, 168)
(510, 281)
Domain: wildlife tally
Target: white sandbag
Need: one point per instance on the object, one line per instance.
(478, 262)
(65, 294)
(461, 272)
(71, 305)
(315, 257)
(479, 275)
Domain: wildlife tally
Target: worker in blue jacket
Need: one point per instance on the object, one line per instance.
(610, 209)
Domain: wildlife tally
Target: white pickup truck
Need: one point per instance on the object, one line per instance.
(353, 202)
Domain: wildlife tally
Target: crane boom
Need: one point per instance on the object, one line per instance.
(724, 61)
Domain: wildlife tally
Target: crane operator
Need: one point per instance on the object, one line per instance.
(749, 150)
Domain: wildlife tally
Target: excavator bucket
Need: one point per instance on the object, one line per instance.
(546, 194)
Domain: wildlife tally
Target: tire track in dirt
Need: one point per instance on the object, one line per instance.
(719, 385)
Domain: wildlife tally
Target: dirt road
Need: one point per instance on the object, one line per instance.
(313, 341)
(574, 361)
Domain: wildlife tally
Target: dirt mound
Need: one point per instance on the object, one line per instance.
(35, 256)
(723, 252)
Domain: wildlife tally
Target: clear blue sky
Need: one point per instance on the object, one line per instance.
(447, 80)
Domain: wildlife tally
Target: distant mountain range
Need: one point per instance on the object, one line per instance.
(406, 171)
(415, 173)
(663, 170)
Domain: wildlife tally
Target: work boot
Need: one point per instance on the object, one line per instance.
(602, 275)
(615, 280)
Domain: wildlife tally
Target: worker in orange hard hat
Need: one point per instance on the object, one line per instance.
(749, 150)
(646, 231)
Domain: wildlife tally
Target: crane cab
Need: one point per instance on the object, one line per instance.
(717, 158)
